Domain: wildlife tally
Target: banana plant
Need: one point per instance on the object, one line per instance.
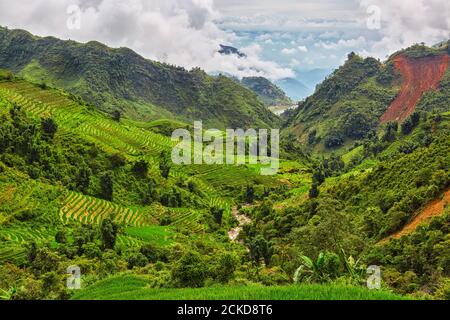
(353, 267)
(310, 270)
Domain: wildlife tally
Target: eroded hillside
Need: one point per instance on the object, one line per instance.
(419, 76)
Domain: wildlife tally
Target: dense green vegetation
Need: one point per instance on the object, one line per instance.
(121, 80)
(346, 106)
(81, 187)
(354, 205)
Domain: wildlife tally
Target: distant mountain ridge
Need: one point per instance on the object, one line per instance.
(295, 89)
(267, 91)
(120, 79)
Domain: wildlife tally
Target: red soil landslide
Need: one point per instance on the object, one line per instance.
(433, 209)
(419, 76)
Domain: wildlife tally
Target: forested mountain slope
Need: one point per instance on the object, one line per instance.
(120, 79)
(354, 102)
(267, 91)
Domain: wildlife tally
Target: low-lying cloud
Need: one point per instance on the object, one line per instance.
(178, 32)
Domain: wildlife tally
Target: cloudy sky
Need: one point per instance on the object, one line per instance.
(279, 37)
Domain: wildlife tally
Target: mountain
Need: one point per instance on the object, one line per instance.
(311, 78)
(120, 79)
(229, 50)
(267, 91)
(304, 83)
(356, 99)
(295, 89)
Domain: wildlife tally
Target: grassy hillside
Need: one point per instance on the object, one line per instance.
(120, 79)
(128, 287)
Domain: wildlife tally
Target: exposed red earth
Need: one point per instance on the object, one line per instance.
(419, 76)
(433, 209)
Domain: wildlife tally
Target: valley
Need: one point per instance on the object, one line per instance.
(87, 179)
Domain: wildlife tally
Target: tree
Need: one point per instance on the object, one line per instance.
(409, 124)
(108, 233)
(390, 133)
(136, 259)
(334, 139)
(249, 193)
(190, 271)
(118, 160)
(226, 266)
(83, 179)
(260, 248)
(45, 261)
(140, 168)
(150, 194)
(106, 186)
(217, 214)
(312, 137)
(32, 251)
(356, 124)
(61, 236)
(314, 191)
(49, 128)
(82, 235)
(165, 165)
(406, 126)
(325, 268)
(116, 115)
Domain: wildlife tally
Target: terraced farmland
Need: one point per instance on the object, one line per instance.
(24, 235)
(153, 234)
(87, 209)
(184, 218)
(11, 253)
(110, 135)
(133, 141)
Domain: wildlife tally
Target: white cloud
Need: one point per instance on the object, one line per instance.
(289, 51)
(178, 32)
(302, 49)
(404, 23)
(295, 63)
(350, 43)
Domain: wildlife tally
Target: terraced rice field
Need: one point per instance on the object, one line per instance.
(186, 218)
(25, 235)
(129, 241)
(129, 287)
(130, 140)
(12, 241)
(11, 253)
(111, 135)
(86, 209)
(153, 234)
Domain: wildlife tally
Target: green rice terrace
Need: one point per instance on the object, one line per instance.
(127, 287)
(99, 191)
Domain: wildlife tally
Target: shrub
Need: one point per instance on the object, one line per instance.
(190, 271)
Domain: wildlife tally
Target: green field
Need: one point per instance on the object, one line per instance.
(128, 287)
(153, 234)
